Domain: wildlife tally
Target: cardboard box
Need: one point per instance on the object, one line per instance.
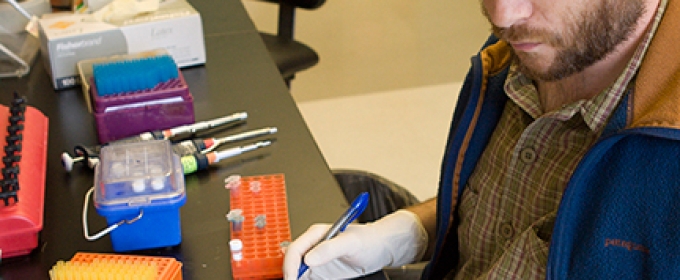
(70, 38)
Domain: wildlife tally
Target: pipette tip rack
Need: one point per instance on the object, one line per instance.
(116, 266)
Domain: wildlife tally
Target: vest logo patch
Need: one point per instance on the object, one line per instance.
(630, 246)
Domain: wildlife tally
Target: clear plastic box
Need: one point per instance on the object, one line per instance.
(141, 187)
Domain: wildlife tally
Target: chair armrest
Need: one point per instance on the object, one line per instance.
(405, 272)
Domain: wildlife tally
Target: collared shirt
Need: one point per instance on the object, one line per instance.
(509, 206)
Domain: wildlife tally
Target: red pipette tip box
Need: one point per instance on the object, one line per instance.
(262, 245)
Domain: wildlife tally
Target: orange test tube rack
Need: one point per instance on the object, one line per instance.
(167, 268)
(262, 254)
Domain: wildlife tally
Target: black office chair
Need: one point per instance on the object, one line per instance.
(289, 55)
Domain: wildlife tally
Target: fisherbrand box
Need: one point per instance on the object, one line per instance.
(69, 38)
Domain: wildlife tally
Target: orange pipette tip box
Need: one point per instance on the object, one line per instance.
(262, 253)
(91, 265)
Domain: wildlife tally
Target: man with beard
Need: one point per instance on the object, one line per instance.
(562, 160)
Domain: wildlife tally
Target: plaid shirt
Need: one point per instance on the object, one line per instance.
(510, 203)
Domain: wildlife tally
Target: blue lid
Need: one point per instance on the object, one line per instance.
(138, 174)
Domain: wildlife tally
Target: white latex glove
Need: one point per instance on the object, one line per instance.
(119, 10)
(395, 240)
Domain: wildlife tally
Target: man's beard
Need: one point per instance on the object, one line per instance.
(588, 38)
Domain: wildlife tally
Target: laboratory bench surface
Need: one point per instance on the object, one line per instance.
(239, 76)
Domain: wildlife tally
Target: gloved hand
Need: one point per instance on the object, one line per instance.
(395, 240)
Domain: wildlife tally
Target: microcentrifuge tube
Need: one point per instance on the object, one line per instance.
(234, 214)
(117, 169)
(138, 186)
(237, 224)
(231, 180)
(255, 187)
(260, 221)
(236, 218)
(232, 183)
(284, 246)
(158, 184)
(236, 247)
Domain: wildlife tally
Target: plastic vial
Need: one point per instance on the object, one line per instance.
(236, 247)
(255, 187)
(236, 218)
(232, 183)
(117, 169)
(138, 186)
(260, 221)
(284, 246)
(157, 184)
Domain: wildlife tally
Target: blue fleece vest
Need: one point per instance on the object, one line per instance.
(618, 218)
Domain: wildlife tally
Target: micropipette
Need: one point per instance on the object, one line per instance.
(238, 137)
(91, 153)
(190, 128)
(199, 161)
(205, 146)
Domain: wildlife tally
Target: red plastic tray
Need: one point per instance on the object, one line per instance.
(21, 222)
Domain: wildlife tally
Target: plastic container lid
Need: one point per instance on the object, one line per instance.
(131, 175)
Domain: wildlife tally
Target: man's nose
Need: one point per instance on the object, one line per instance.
(506, 13)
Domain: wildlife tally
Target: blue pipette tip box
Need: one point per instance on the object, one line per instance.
(141, 183)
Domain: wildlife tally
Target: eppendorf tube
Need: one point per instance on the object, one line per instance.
(236, 218)
(260, 221)
(233, 183)
(236, 247)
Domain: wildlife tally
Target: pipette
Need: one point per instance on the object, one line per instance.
(190, 128)
(200, 161)
(207, 145)
(91, 153)
(237, 137)
(193, 128)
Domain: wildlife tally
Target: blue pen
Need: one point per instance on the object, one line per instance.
(355, 209)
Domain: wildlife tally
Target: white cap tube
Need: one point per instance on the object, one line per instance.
(236, 247)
